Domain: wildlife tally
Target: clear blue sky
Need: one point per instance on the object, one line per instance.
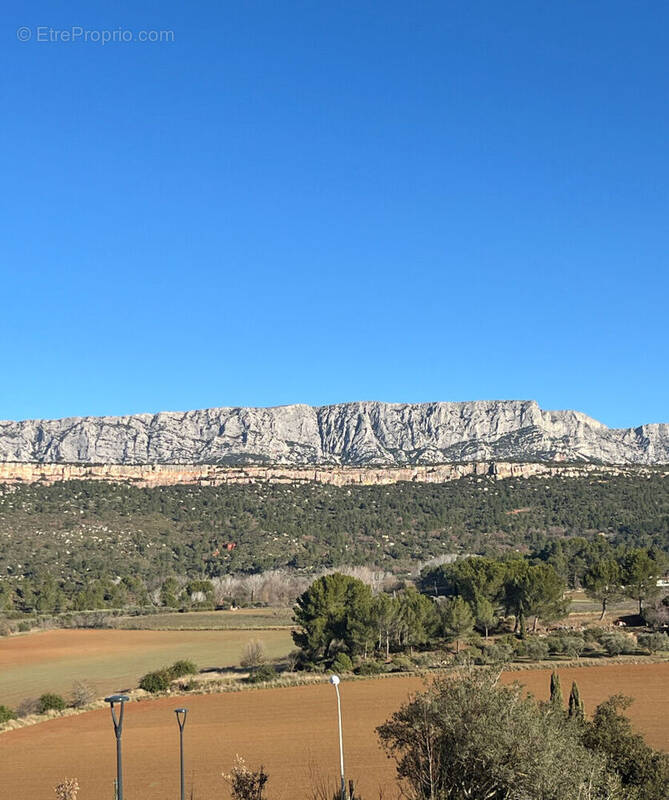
(317, 202)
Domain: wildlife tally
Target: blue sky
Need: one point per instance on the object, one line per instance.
(319, 202)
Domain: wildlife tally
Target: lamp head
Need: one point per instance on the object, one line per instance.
(334, 680)
(117, 698)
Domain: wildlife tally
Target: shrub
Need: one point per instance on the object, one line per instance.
(6, 714)
(181, 668)
(24, 627)
(537, 649)
(342, 663)
(519, 647)
(616, 643)
(556, 645)
(574, 646)
(82, 694)
(592, 635)
(263, 674)
(50, 702)
(27, 706)
(499, 653)
(466, 734)
(254, 654)
(654, 642)
(154, 682)
(402, 664)
(657, 614)
(595, 649)
(465, 658)
(294, 659)
(67, 790)
(369, 668)
(246, 784)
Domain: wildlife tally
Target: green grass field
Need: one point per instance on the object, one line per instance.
(582, 604)
(114, 660)
(241, 619)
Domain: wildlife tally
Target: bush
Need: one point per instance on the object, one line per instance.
(254, 654)
(465, 657)
(654, 642)
(245, 783)
(154, 682)
(466, 734)
(519, 647)
(369, 668)
(263, 674)
(499, 653)
(592, 635)
(294, 660)
(556, 645)
(82, 694)
(342, 663)
(24, 627)
(402, 664)
(67, 790)
(617, 643)
(50, 702)
(181, 668)
(596, 649)
(537, 649)
(27, 706)
(657, 614)
(574, 646)
(6, 714)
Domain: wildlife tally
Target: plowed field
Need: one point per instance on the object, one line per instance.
(292, 731)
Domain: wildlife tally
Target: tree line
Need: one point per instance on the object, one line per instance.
(340, 619)
(473, 592)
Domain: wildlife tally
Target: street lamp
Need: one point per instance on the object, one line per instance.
(120, 700)
(181, 713)
(334, 680)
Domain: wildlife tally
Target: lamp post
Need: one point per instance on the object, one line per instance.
(181, 713)
(334, 680)
(118, 700)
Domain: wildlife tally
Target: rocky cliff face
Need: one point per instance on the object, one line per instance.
(149, 475)
(348, 434)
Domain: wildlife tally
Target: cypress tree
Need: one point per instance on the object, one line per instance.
(576, 708)
(556, 691)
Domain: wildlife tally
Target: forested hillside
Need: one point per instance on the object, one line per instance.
(78, 530)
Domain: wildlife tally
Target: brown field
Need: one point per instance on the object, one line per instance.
(113, 660)
(286, 729)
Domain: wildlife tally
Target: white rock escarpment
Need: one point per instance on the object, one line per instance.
(347, 434)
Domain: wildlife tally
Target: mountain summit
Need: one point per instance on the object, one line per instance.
(356, 434)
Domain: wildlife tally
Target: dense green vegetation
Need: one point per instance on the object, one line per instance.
(339, 615)
(93, 545)
(467, 736)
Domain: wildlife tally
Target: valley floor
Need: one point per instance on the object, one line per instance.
(292, 731)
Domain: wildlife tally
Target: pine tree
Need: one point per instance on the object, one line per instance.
(556, 691)
(576, 708)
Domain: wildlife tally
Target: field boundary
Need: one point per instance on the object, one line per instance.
(235, 685)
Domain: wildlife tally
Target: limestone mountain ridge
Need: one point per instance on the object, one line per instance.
(355, 434)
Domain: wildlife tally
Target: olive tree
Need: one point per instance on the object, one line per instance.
(466, 737)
